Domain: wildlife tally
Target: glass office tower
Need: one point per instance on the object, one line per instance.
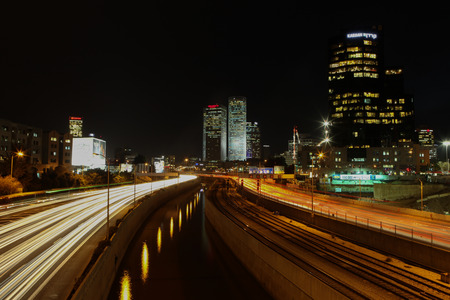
(253, 140)
(237, 128)
(214, 133)
(368, 104)
(355, 77)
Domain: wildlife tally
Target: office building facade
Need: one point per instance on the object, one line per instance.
(214, 133)
(237, 128)
(76, 126)
(368, 105)
(253, 141)
(56, 150)
(354, 86)
(16, 137)
(425, 137)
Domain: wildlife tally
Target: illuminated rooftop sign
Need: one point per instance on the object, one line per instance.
(213, 106)
(362, 35)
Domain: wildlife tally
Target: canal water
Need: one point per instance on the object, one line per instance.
(177, 255)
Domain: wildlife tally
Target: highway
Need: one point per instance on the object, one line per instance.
(426, 230)
(36, 245)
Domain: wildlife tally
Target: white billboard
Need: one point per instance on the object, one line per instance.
(158, 162)
(89, 152)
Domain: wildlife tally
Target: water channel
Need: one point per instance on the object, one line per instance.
(177, 255)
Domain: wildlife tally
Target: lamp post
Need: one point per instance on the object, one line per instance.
(19, 154)
(107, 208)
(326, 125)
(421, 194)
(312, 190)
(134, 199)
(446, 143)
(320, 156)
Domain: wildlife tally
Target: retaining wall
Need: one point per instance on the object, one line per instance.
(279, 276)
(407, 249)
(98, 282)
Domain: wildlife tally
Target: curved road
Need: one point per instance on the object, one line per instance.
(35, 247)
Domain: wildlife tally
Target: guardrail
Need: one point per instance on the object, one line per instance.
(385, 227)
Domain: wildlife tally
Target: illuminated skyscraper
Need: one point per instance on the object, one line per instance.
(253, 140)
(237, 128)
(354, 86)
(214, 133)
(368, 106)
(76, 126)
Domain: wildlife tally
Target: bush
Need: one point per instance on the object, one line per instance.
(9, 185)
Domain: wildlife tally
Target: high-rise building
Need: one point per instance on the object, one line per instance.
(354, 79)
(76, 126)
(396, 113)
(214, 133)
(253, 140)
(237, 128)
(368, 105)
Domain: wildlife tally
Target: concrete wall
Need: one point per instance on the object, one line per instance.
(100, 278)
(386, 191)
(402, 247)
(280, 277)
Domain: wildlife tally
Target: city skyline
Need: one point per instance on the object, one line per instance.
(140, 80)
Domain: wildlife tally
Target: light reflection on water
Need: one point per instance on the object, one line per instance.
(125, 287)
(173, 269)
(144, 262)
(180, 220)
(159, 240)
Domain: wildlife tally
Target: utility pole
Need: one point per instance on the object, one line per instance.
(107, 208)
(134, 199)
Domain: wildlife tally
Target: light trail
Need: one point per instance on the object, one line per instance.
(34, 248)
(426, 230)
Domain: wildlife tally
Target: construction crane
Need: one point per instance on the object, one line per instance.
(295, 150)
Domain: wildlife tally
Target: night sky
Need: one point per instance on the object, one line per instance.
(140, 75)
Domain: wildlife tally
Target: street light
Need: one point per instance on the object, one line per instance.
(134, 199)
(320, 155)
(19, 154)
(446, 143)
(421, 194)
(107, 208)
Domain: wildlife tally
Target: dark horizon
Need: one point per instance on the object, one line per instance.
(139, 75)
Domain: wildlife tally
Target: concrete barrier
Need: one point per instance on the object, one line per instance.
(98, 281)
(398, 246)
(278, 275)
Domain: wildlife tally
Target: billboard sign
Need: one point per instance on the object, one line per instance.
(89, 152)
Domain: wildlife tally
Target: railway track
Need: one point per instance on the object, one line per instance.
(353, 273)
